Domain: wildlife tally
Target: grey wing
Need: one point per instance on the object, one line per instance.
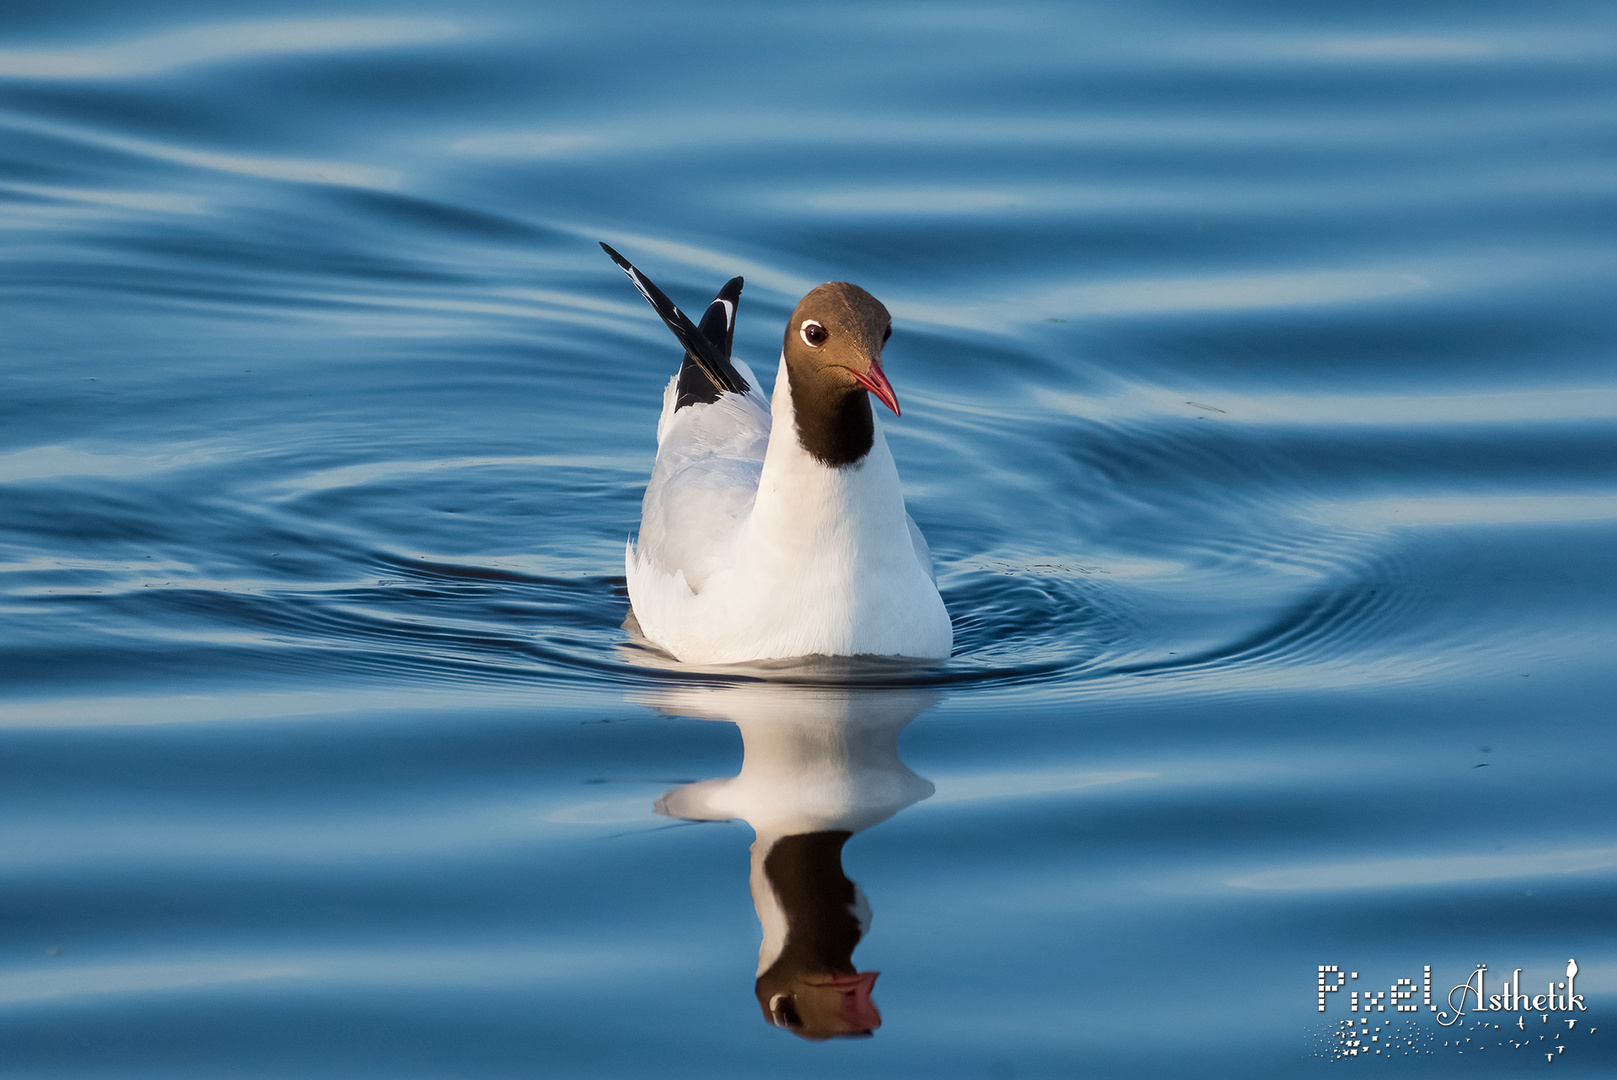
(703, 484)
(692, 802)
(923, 553)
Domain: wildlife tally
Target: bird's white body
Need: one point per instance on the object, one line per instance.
(752, 549)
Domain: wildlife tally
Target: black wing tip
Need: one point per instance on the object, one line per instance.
(629, 268)
(718, 325)
(698, 347)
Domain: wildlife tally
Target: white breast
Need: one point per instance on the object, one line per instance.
(750, 556)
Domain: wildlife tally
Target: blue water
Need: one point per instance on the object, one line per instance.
(1259, 406)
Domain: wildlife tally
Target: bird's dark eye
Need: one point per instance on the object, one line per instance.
(783, 1010)
(814, 333)
(885, 334)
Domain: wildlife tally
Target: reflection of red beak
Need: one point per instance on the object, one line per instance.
(876, 382)
(857, 1008)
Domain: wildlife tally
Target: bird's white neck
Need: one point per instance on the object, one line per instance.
(810, 511)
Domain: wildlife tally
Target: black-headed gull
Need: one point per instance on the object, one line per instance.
(777, 529)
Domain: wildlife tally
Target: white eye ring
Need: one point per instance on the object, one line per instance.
(803, 332)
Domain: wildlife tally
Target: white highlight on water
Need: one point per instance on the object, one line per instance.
(165, 52)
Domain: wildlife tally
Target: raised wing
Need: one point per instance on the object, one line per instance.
(708, 348)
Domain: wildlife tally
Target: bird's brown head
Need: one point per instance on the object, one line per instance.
(833, 351)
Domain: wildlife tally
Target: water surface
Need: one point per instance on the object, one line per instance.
(1258, 407)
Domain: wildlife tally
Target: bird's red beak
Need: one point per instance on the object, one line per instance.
(876, 382)
(857, 1008)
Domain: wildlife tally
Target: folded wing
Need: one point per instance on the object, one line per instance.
(711, 440)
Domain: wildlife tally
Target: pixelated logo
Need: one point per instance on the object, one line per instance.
(1477, 1018)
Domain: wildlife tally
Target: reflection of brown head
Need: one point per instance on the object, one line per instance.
(812, 989)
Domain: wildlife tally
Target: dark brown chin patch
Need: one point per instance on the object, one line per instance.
(834, 423)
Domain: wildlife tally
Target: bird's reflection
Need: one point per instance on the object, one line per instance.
(821, 763)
